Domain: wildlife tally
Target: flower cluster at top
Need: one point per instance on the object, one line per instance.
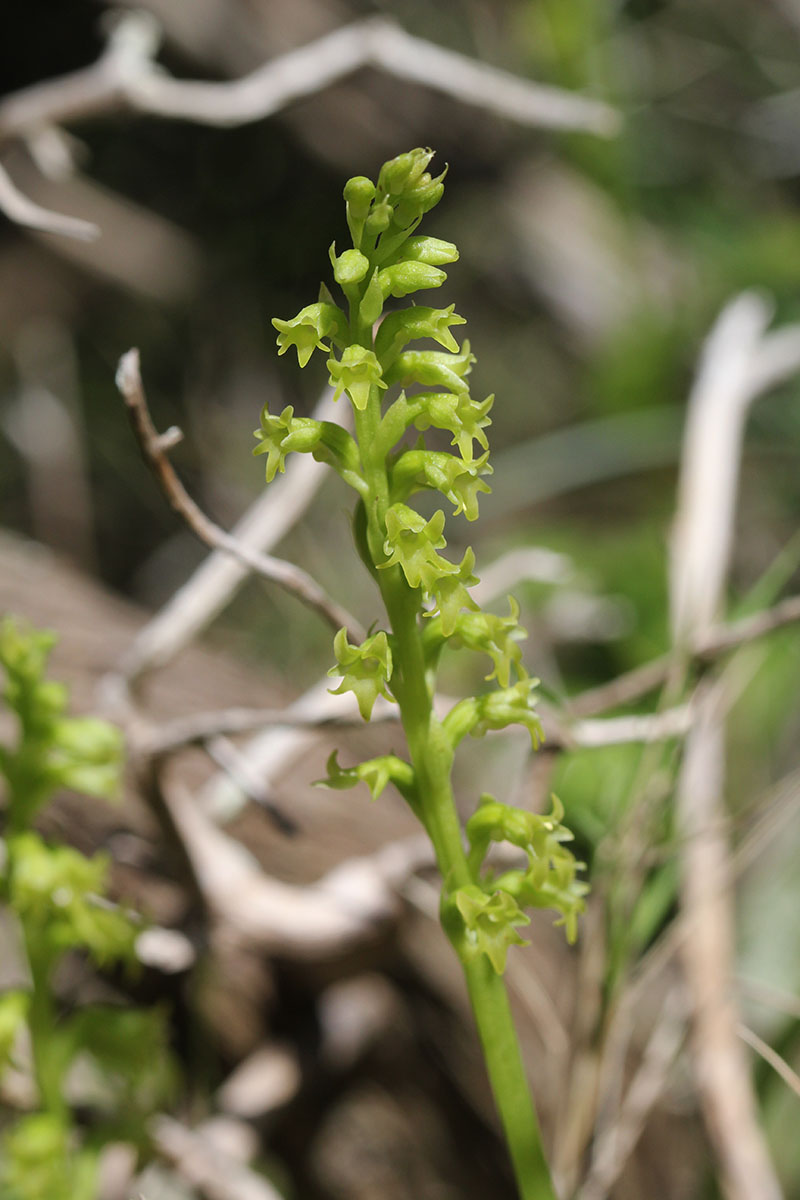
(372, 351)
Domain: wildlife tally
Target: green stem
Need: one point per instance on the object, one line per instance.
(489, 999)
(431, 755)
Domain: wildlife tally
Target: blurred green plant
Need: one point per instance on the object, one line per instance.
(58, 899)
(427, 596)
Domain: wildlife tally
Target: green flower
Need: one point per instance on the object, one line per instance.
(489, 924)
(451, 595)
(550, 879)
(365, 669)
(406, 324)
(432, 368)
(460, 482)
(375, 772)
(412, 542)
(356, 372)
(496, 636)
(458, 413)
(279, 436)
(55, 891)
(306, 331)
(496, 710)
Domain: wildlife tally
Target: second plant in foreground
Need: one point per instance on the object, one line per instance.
(426, 595)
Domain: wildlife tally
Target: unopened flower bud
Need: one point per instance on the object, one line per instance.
(359, 193)
(350, 267)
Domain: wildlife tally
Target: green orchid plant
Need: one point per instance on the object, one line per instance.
(397, 389)
(57, 899)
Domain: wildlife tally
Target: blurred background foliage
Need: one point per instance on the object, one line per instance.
(591, 269)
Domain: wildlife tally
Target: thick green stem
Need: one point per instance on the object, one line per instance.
(431, 755)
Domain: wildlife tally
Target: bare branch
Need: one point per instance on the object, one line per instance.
(703, 536)
(154, 446)
(125, 77)
(705, 649)
(197, 728)
(770, 1056)
(614, 1147)
(219, 577)
(20, 209)
(234, 764)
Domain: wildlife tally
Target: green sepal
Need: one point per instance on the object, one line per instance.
(375, 773)
(371, 305)
(459, 481)
(307, 330)
(496, 710)
(432, 368)
(550, 879)
(496, 636)
(412, 542)
(407, 324)
(365, 669)
(487, 924)
(356, 372)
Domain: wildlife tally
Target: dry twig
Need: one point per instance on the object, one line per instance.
(125, 78)
(770, 1056)
(154, 447)
(704, 525)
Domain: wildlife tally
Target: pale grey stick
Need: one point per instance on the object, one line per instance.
(155, 446)
(704, 523)
(125, 78)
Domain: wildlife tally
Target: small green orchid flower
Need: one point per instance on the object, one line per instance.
(376, 773)
(496, 710)
(355, 373)
(460, 482)
(306, 331)
(496, 636)
(365, 669)
(53, 890)
(412, 542)
(279, 436)
(432, 368)
(408, 324)
(550, 879)
(451, 596)
(489, 923)
(458, 413)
